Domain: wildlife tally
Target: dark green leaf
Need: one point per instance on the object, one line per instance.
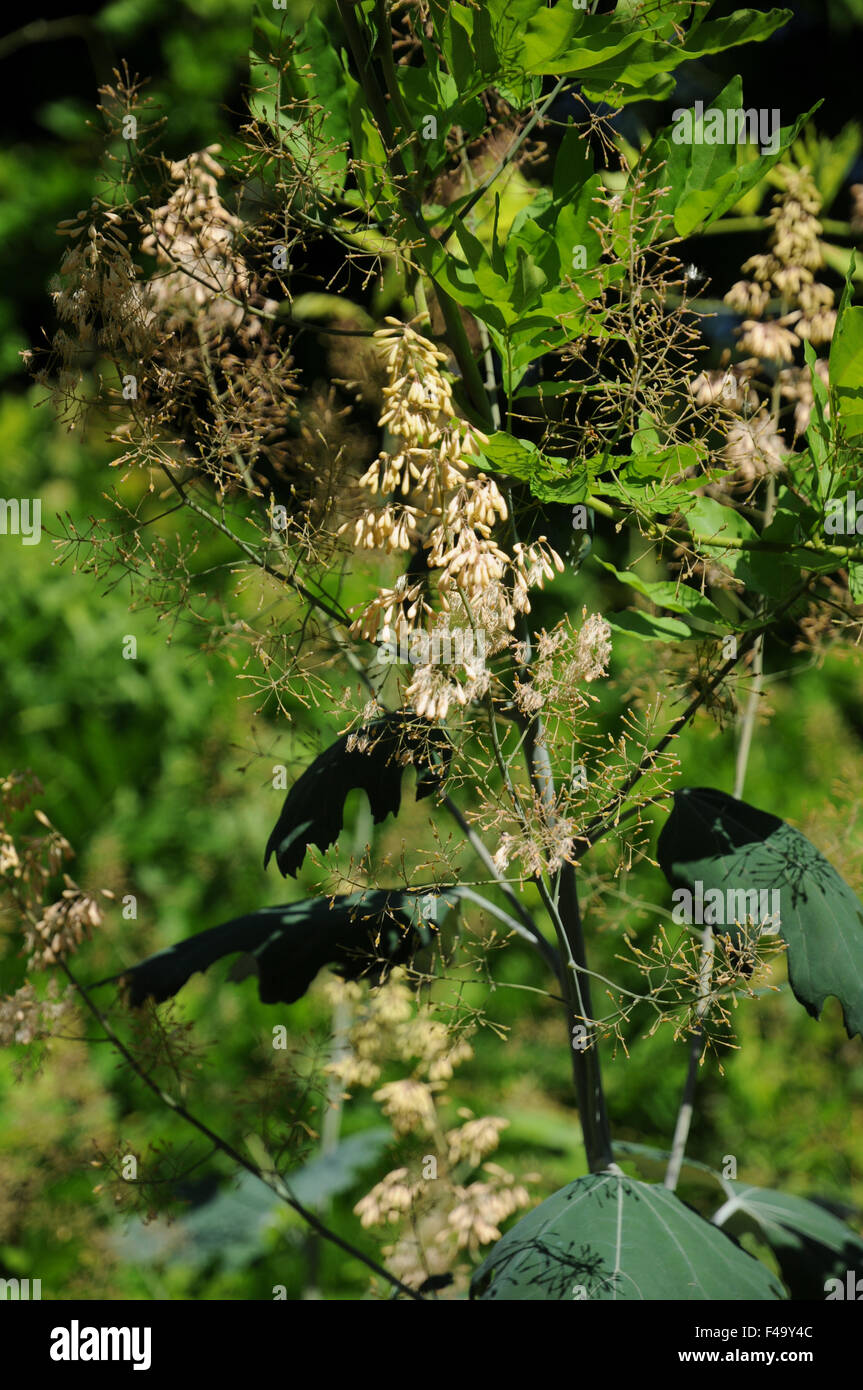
(818, 433)
(703, 181)
(763, 572)
(728, 845)
(650, 627)
(810, 1243)
(608, 1237)
(653, 1164)
(286, 946)
(698, 611)
(641, 63)
(573, 166)
(846, 360)
(549, 477)
(314, 807)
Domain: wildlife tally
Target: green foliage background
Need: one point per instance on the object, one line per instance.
(159, 771)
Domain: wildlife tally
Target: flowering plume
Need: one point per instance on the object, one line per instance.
(191, 237)
(451, 522)
(755, 445)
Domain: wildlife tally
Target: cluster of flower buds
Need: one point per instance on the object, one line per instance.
(755, 445)
(192, 237)
(461, 510)
(787, 268)
(388, 529)
(63, 926)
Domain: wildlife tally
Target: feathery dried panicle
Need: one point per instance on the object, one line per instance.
(593, 650)
(390, 1026)
(222, 379)
(521, 849)
(439, 1215)
(199, 372)
(10, 863)
(729, 386)
(567, 658)
(101, 306)
(424, 1250)
(28, 864)
(443, 1053)
(672, 973)
(741, 396)
(433, 691)
(99, 295)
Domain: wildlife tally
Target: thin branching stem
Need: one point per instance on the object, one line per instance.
(273, 1180)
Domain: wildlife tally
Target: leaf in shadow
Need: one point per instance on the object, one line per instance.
(724, 843)
(811, 1245)
(373, 759)
(609, 1238)
(360, 934)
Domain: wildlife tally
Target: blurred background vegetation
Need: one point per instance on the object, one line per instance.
(159, 771)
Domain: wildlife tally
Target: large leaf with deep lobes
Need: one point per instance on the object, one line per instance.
(378, 754)
(726, 844)
(607, 1237)
(361, 934)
